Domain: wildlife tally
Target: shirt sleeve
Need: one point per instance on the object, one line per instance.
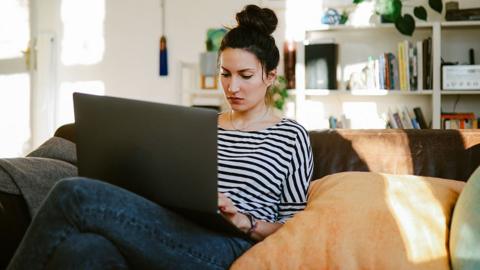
(295, 186)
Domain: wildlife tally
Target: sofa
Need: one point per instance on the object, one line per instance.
(439, 154)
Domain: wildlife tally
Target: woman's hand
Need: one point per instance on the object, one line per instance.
(228, 210)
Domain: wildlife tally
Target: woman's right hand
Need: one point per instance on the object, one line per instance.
(229, 211)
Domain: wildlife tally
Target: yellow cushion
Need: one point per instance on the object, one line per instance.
(363, 220)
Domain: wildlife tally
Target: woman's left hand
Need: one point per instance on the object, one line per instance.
(229, 211)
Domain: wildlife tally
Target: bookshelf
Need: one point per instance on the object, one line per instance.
(313, 107)
(457, 37)
(450, 40)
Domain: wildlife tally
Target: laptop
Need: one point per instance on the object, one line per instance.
(165, 153)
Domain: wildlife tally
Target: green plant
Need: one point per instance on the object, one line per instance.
(279, 92)
(391, 10)
(214, 39)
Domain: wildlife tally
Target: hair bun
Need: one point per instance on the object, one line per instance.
(263, 20)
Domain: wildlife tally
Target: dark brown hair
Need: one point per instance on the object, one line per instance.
(254, 34)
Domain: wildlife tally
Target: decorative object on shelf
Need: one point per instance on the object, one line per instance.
(332, 17)
(289, 58)
(279, 92)
(461, 77)
(454, 120)
(163, 57)
(321, 66)
(208, 59)
(358, 78)
(451, 5)
(208, 70)
(391, 11)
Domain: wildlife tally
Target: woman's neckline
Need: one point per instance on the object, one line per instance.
(252, 131)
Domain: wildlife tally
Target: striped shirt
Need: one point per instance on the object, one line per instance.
(266, 173)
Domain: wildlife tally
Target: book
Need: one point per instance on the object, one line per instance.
(381, 72)
(388, 77)
(398, 120)
(406, 55)
(420, 85)
(428, 67)
(412, 66)
(401, 66)
(406, 121)
(419, 116)
(394, 71)
(391, 119)
(415, 123)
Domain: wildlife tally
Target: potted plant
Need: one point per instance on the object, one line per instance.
(208, 59)
(391, 11)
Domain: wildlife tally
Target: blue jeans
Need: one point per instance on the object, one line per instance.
(88, 224)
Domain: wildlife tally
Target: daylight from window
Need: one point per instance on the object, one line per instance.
(14, 114)
(13, 40)
(83, 40)
(83, 43)
(14, 78)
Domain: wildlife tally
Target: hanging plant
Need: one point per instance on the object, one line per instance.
(391, 11)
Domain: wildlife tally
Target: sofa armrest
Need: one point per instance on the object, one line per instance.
(67, 132)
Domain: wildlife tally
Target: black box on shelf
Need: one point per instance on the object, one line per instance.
(321, 66)
(471, 14)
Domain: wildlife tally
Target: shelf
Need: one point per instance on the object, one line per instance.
(379, 92)
(460, 24)
(460, 92)
(373, 27)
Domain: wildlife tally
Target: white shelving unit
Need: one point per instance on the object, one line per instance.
(313, 107)
(356, 44)
(455, 41)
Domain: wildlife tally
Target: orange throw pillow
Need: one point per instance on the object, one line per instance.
(364, 220)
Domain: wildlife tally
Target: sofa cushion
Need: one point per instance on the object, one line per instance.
(33, 176)
(57, 148)
(465, 230)
(364, 220)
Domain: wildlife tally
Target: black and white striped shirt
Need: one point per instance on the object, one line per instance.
(266, 173)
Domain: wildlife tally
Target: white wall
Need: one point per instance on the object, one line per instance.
(132, 32)
(132, 28)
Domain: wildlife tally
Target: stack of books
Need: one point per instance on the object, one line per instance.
(410, 69)
(403, 118)
(459, 121)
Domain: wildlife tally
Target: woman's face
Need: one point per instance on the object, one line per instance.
(243, 80)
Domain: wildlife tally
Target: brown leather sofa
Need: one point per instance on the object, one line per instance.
(452, 154)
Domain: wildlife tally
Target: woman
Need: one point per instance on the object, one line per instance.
(264, 163)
